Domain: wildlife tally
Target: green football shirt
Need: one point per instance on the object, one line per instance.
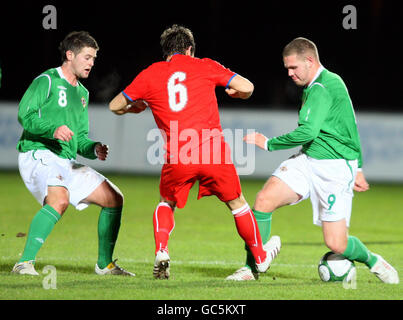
(327, 127)
(50, 102)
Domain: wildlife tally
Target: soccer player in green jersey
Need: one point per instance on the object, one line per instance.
(54, 115)
(328, 167)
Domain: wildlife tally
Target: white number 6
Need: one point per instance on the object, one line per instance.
(174, 89)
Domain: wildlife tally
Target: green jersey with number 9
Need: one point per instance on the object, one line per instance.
(50, 102)
(327, 127)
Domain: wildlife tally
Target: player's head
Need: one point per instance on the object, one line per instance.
(177, 39)
(79, 50)
(301, 59)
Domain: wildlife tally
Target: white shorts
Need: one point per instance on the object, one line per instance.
(328, 183)
(40, 169)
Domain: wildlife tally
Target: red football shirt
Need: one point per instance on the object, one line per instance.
(181, 95)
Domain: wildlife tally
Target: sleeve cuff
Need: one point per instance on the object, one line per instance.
(267, 144)
(227, 86)
(95, 149)
(130, 99)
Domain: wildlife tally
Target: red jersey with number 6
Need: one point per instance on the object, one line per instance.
(181, 95)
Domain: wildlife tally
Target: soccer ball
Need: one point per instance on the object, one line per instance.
(334, 267)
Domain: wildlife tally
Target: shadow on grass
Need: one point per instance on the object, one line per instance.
(222, 272)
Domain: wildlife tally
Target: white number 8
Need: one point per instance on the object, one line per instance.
(62, 98)
(178, 88)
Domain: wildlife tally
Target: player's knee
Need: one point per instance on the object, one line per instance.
(263, 202)
(116, 198)
(60, 205)
(120, 199)
(236, 203)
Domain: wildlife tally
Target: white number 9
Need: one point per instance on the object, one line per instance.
(174, 89)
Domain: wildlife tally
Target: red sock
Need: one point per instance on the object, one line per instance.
(164, 223)
(248, 230)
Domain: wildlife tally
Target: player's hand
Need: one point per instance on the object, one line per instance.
(257, 139)
(236, 94)
(137, 106)
(232, 93)
(361, 183)
(101, 150)
(63, 133)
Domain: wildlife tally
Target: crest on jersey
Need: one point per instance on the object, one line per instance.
(83, 102)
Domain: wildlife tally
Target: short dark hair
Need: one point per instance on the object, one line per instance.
(300, 46)
(177, 39)
(75, 41)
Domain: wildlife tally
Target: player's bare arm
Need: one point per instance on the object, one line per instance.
(240, 87)
(121, 105)
(256, 138)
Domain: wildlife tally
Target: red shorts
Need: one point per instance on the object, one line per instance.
(219, 179)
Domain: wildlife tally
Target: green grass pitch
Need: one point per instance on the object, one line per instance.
(204, 248)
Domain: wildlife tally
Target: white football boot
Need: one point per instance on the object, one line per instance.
(161, 265)
(25, 267)
(384, 271)
(112, 269)
(272, 248)
(243, 274)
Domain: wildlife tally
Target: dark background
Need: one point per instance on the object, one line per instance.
(247, 37)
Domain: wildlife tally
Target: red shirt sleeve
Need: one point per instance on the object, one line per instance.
(138, 88)
(220, 75)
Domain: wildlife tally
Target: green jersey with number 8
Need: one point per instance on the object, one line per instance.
(50, 102)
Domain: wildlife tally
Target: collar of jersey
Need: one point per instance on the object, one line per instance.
(175, 54)
(321, 68)
(61, 74)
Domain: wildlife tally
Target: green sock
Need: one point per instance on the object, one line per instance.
(108, 229)
(263, 220)
(357, 251)
(41, 226)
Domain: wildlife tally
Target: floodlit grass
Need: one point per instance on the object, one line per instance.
(204, 248)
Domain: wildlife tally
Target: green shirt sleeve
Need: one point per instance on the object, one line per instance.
(360, 154)
(85, 146)
(311, 117)
(29, 111)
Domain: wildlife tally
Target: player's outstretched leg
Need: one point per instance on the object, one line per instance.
(249, 271)
(164, 223)
(108, 230)
(110, 199)
(357, 251)
(41, 226)
(248, 230)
